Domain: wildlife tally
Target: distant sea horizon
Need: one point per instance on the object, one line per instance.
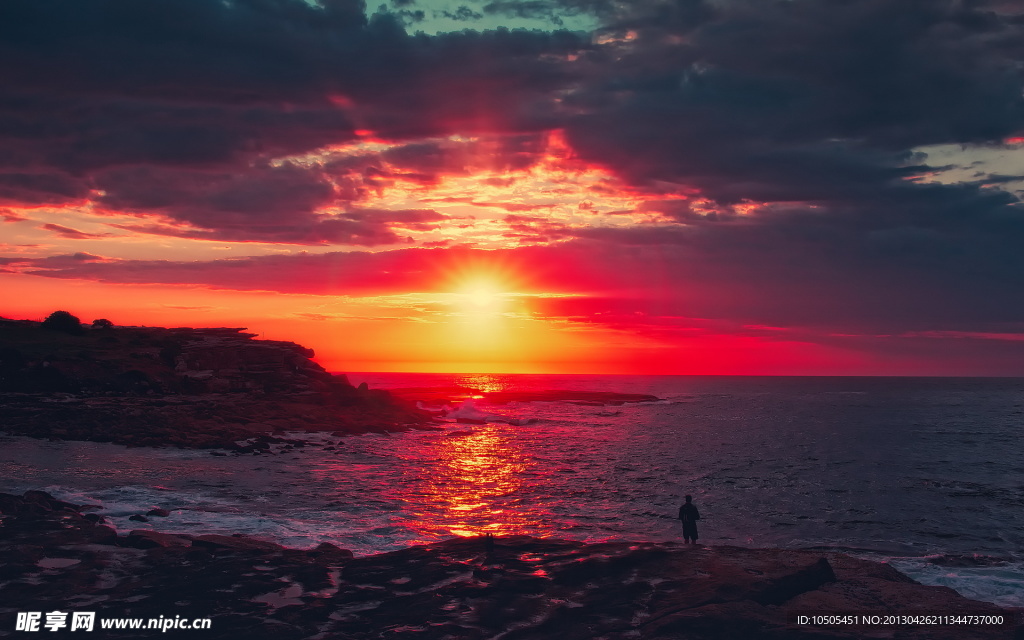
(676, 375)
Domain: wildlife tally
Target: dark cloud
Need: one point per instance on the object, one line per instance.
(353, 273)
(462, 14)
(100, 134)
(263, 195)
(198, 84)
(34, 189)
(326, 231)
(183, 49)
(536, 9)
(772, 100)
(73, 234)
(555, 11)
(687, 211)
(341, 229)
(267, 203)
(57, 262)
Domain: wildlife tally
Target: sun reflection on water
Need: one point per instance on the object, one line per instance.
(485, 382)
(473, 488)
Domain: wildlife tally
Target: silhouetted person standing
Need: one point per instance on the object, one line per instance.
(689, 516)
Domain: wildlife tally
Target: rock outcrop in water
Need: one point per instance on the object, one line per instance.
(52, 558)
(456, 394)
(186, 387)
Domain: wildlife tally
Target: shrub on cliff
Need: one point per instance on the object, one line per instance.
(63, 321)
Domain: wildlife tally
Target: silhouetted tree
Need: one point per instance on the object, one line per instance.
(102, 323)
(63, 321)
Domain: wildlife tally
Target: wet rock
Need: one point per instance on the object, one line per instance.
(788, 586)
(738, 619)
(163, 513)
(329, 553)
(138, 518)
(39, 497)
(144, 539)
(523, 588)
(215, 542)
(101, 534)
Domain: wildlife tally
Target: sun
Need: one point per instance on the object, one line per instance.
(481, 295)
(484, 286)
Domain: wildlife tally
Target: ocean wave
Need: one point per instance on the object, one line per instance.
(990, 579)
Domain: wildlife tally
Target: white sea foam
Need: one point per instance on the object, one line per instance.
(468, 410)
(1002, 584)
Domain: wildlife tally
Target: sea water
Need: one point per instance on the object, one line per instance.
(924, 473)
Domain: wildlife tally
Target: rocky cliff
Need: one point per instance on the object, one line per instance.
(183, 386)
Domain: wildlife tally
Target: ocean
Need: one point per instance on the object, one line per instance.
(924, 473)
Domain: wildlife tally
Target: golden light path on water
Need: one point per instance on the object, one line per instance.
(485, 382)
(473, 472)
(471, 479)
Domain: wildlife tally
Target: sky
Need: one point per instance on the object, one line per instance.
(751, 187)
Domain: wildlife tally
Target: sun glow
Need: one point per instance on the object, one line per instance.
(482, 296)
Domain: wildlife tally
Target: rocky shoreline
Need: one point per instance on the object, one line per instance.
(55, 556)
(184, 387)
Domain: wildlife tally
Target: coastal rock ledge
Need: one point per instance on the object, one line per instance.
(184, 387)
(54, 558)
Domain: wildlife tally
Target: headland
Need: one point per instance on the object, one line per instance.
(184, 387)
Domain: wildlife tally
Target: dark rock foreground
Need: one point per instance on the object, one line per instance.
(52, 557)
(193, 388)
